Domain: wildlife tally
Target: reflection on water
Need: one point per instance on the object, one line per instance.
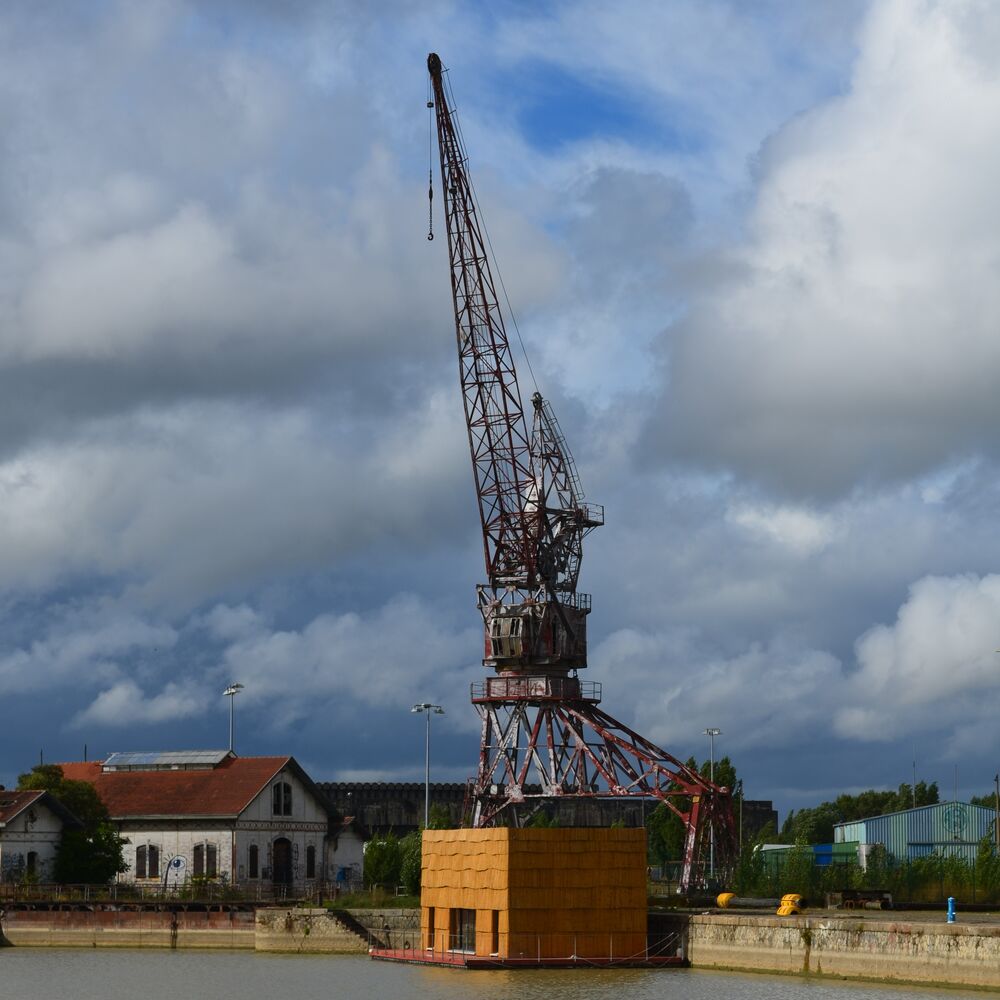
(105, 974)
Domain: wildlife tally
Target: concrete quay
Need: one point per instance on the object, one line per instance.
(898, 947)
(904, 948)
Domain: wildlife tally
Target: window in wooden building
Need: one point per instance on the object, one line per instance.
(463, 930)
(310, 861)
(254, 860)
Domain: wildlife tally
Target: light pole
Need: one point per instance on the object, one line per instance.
(711, 734)
(231, 692)
(427, 708)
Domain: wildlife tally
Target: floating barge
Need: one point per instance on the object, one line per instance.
(462, 960)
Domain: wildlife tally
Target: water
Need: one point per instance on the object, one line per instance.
(103, 974)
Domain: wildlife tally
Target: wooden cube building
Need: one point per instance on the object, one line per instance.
(535, 893)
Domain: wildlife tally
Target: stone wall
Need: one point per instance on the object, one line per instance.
(269, 929)
(961, 954)
(304, 930)
(129, 928)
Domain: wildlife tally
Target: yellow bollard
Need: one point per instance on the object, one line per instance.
(791, 904)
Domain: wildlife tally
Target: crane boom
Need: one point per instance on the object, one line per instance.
(530, 503)
(498, 437)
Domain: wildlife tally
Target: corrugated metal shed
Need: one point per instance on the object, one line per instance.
(950, 829)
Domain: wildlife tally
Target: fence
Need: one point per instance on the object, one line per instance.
(404, 944)
(205, 891)
(929, 879)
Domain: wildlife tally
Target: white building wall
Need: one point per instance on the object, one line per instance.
(37, 829)
(177, 838)
(305, 827)
(349, 855)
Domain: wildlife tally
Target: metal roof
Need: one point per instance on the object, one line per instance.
(155, 760)
(942, 828)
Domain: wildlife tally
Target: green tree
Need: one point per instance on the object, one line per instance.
(664, 835)
(383, 860)
(665, 832)
(411, 861)
(92, 854)
(799, 872)
(542, 820)
(439, 818)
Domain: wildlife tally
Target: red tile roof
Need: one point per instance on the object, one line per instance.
(225, 790)
(12, 803)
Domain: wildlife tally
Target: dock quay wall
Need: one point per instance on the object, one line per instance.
(891, 950)
(133, 927)
(895, 949)
(275, 929)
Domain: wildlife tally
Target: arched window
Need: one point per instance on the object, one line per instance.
(281, 799)
(206, 860)
(140, 861)
(310, 861)
(32, 862)
(254, 861)
(153, 861)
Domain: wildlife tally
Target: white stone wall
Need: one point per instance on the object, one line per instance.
(37, 829)
(349, 854)
(178, 838)
(305, 827)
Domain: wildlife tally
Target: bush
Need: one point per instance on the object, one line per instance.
(383, 860)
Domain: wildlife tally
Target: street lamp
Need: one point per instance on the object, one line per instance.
(711, 734)
(427, 708)
(231, 692)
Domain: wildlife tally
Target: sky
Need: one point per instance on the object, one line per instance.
(753, 252)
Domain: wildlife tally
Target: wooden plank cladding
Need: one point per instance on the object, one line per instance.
(535, 893)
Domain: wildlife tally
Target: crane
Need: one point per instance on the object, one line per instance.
(543, 734)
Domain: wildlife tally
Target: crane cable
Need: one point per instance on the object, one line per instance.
(430, 162)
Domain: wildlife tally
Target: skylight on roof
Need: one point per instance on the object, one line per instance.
(165, 760)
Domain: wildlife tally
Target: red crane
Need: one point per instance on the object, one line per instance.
(543, 734)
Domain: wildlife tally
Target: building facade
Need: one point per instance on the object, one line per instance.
(31, 827)
(945, 829)
(212, 815)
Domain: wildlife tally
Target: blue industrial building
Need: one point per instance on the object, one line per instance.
(947, 829)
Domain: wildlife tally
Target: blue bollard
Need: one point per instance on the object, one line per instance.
(951, 909)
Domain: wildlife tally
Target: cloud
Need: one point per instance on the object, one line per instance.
(850, 339)
(674, 685)
(231, 442)
(82, 647)
(935, 665)
(125, 705)
(800, 530)
(391, 657)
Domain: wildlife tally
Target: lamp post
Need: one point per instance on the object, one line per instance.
(711, 734)
(427, 708)
(231, 692)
